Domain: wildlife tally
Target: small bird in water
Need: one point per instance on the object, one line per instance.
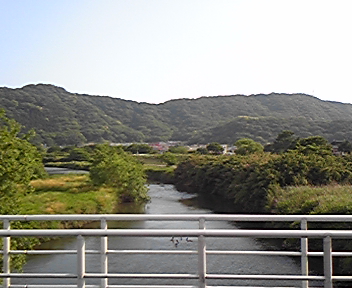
(176, 243)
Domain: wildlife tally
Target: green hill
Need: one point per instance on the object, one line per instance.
(64, 118)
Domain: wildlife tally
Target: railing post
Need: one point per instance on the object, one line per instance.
(6, 254)
(327, 262)
(304, 255)
(81, 261)
(202, 262)
(103, 254)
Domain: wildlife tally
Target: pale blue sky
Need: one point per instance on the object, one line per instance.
(156, 50)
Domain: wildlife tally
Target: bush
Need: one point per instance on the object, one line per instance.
(247, 181)
(115, 168)
(20, 163)
(79, 154)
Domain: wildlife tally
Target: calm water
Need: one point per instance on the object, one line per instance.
(59, 170)
(165, 199)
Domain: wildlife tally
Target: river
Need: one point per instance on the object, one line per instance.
(165, 199)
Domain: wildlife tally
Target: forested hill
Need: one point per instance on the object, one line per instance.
(64, 118)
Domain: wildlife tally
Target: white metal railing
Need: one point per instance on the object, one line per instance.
(201, 233)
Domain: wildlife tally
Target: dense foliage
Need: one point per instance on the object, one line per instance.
(249, 181)
(214, 148)
(115, 168)
(137, 148)
(20, 162)
(64, 118)
(247, 146)
(178, 149)
(301, 177)
(287, 183)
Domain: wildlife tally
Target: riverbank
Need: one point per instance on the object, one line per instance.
(160, 174)
(68, 194)
(164, 199)
(68, 191)
(275, 184)
(60, 194)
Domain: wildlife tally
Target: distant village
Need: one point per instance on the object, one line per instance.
(162, 147)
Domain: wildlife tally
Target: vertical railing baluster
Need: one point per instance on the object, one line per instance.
(327, 262)
(6, 255)
(81, 261)
(103, 254)
(304, 255)
(202, 262)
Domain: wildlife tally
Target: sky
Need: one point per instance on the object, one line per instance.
(156, 50)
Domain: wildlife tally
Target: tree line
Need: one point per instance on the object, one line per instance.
(249, 178)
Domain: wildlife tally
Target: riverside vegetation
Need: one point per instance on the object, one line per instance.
(303, 179)
(290, 176)
(25, 188)
(297, 176)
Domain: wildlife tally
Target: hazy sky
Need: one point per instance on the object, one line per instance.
(156, 50)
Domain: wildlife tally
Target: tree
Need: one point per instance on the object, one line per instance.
(169, 158)
(283, 142)
(79, 154)
(115, 168)
(139, 148)
(202, 151)
(54, 149)
(215, 148)
(314, 145)
(20, 162)
(178, 149)
(247, 146)
(345, 147)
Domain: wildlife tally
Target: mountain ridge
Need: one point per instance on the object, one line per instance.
(63, 118)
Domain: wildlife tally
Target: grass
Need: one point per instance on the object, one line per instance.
(60, 194)
(331, 199)
(150, 159)
(68, 194)
(84, 165)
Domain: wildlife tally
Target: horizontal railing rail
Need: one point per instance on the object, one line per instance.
(178, 217)
(338, 234)
(202, 233)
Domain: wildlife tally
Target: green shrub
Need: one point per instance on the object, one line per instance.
(117, 169)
